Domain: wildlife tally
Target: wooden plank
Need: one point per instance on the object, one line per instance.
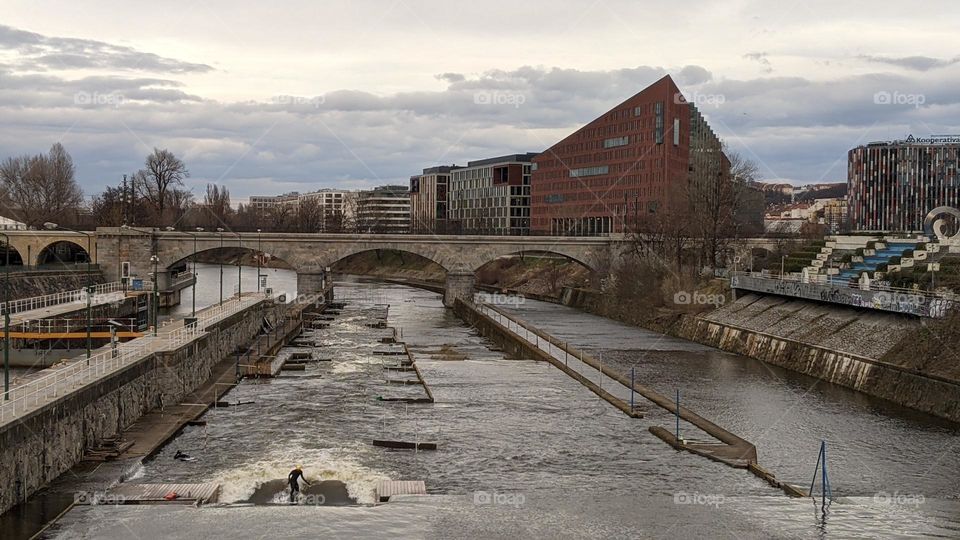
(405, 444)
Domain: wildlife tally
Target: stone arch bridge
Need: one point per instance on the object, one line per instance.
(311, 254)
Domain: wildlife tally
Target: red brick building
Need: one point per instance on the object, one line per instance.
(633, 162)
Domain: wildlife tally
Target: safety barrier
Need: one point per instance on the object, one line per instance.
(78, 296)
(33, 394)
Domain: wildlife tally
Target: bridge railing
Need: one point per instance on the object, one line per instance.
(75, 296)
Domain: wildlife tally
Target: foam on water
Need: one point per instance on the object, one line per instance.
(240, 484)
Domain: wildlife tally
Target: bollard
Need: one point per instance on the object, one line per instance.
(631, 387)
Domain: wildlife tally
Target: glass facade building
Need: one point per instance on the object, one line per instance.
(893, 185)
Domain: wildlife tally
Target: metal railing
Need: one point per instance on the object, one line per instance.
(66, 297)
(34, 394)
(64, 326)
(821, 279)
(181, 278)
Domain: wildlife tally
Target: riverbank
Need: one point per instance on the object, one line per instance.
(866, 351)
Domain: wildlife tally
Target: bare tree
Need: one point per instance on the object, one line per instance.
(163, 173)
(309, 215)
(40, 188)
(280, 217)
(217, 203)
(178, 203)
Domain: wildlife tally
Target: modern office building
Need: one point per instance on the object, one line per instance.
(636, 161)
(335, 206)
(429, 200)
(265, 202)
(384, 209)
(893, 185)
(492, 196)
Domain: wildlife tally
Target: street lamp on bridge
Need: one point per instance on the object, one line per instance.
(220, 233)
(6, 319)
(156, 293)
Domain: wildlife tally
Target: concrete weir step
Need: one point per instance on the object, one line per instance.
(157, 494)
(389, 488)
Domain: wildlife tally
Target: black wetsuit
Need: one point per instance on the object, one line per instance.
(294, 479)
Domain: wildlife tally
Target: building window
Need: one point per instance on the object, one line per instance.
(676, 131)
(658, 125)
(589, 171)
(616, 141)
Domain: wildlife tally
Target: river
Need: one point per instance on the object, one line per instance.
(525, 451)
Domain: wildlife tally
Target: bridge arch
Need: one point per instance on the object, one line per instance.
(541, 253)
(11, 251)
(62, 252)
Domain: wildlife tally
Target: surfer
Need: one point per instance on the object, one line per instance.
(183, 456)
(294, 479)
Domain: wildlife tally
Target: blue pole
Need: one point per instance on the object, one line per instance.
(823, 480)
(631, 388)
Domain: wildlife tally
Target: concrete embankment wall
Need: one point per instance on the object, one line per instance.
(47, 442)
(28, 284)
(836, 344)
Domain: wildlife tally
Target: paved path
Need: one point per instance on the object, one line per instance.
(67, 307)
(56, 381)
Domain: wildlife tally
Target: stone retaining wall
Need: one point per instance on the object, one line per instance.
(48, 442)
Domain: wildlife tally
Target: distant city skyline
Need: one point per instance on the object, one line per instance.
(267, 100)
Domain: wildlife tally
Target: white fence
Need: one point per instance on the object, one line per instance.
(38, 392)
(78, 296)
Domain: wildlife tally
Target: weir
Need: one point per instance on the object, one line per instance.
(49, 422)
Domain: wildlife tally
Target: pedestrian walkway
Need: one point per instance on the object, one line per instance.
(612, 386)
(57, 304)
(57, 381)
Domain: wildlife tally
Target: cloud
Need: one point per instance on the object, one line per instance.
(760, 58)
(916, 63)
(796, 127)
(451, 77)
(37, 52)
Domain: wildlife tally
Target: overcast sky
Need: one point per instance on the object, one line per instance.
(267, 97)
